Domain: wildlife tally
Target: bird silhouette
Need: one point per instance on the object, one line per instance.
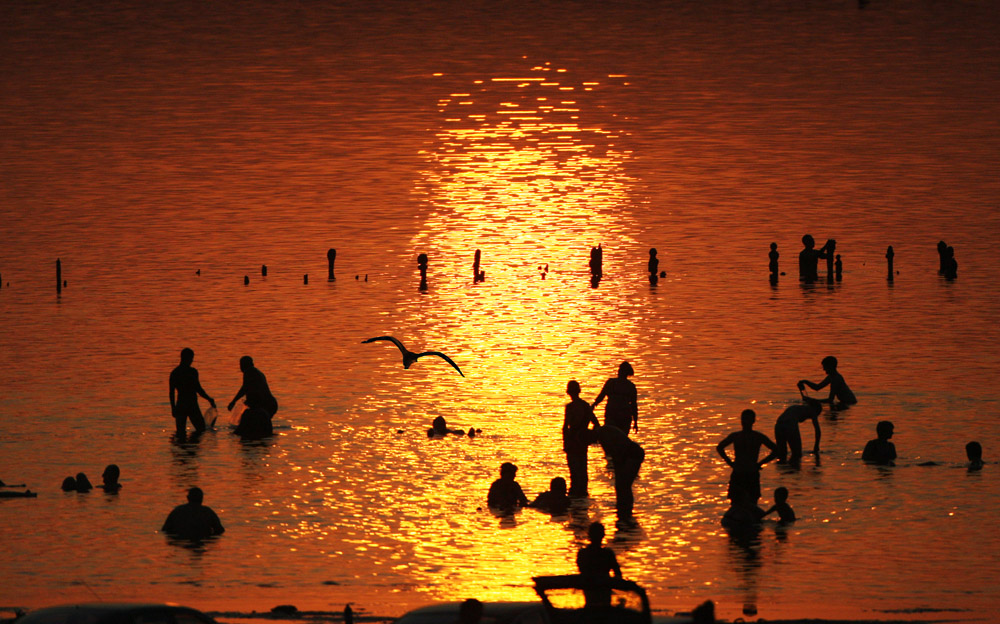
(409, 357)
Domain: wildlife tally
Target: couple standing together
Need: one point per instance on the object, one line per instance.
(621, 414)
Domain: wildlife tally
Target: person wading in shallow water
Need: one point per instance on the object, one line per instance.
(184, 390)
(193, 520)
(744, 482)
(622, 410)
(577, 436)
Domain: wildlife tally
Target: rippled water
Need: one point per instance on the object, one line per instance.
(144, 144)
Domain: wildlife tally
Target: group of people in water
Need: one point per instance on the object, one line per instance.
(580, 430)
(744, 482)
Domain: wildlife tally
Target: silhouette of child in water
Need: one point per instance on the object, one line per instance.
(881, 450)
(505, 493)
(554, 500)
(781, 506)
(772, 256)
(974, 451)
(841, 396)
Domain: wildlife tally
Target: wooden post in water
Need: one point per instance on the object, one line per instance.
(889, 255)
(246, 280)
(58, 275)
(263, 270)
(305, 278)
(331, 257)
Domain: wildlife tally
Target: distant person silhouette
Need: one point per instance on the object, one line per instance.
(781, 506)
(974, 451)
(744, 482)
(193, 520)
(597, 262)
(577, 435)
(809, 258)
(69, 484)
(109, 479)
(838, 268)
(653, 266)
(622, 409)
(439, 427)
(626, 457)
(772, 260)
(942, 249)
(184, 390)
(554, 500)
(881, 450)
(255, 422)
(786, 431)
(889, 255)
(841, 396)
(83, 483)
(422, 265)
(505, 493)
(828, 251)
(950, 264)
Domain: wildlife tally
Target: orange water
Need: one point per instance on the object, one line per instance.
(142, 145)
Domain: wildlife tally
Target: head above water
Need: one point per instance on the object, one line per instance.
(111, 474)
(829, 363)
(747, 418)
(196, 496)
(595, 532)
(974, 451)
(884, 429)
(508, 469)
(781, 494)
(625, 370)
(187, 355)
(558, 486)
(246, 363)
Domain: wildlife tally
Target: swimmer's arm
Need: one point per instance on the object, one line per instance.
(770, 511)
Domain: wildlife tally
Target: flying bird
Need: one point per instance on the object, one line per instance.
(409, 357)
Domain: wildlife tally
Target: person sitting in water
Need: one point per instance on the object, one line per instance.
(786, 430)
(974, 451)
(505, 493)
(555, 500)
(881, 450)
(193, 520)
(841, 396)
(109, 479)
(781, 506)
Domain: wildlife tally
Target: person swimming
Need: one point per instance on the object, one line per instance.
(554, 500)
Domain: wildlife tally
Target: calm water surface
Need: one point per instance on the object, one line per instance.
(141, 145)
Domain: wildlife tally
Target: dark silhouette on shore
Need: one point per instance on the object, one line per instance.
(577, 436)
(477, 274)
(255, 422)
(622, 409)
(422, 266)
(653, 267)
(505, 493)
(409, 357)
(841, 396)
(809, 259)
(331, 258)
(626, 457)
(889, 255)
(785, 513)
(744, 482)
(787, 436)
(109, 479)
(974, 451)
(554, 500)
(193, 520)
(185, 387)
(880, 450)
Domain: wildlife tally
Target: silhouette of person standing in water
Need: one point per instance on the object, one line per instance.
(786, 430)
(880, 450)
(622, 410)
(772, 260)
(255, 389)
(626, 457)
(841, 396)
(809, 259)
(577, 436)
(596, 561)
(193, 520)
(653, 266)
(184, 391)
(744, 482)
(974, 451)
(505, 493)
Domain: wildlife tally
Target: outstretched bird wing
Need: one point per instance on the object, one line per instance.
(390, 339)
(444, 357)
